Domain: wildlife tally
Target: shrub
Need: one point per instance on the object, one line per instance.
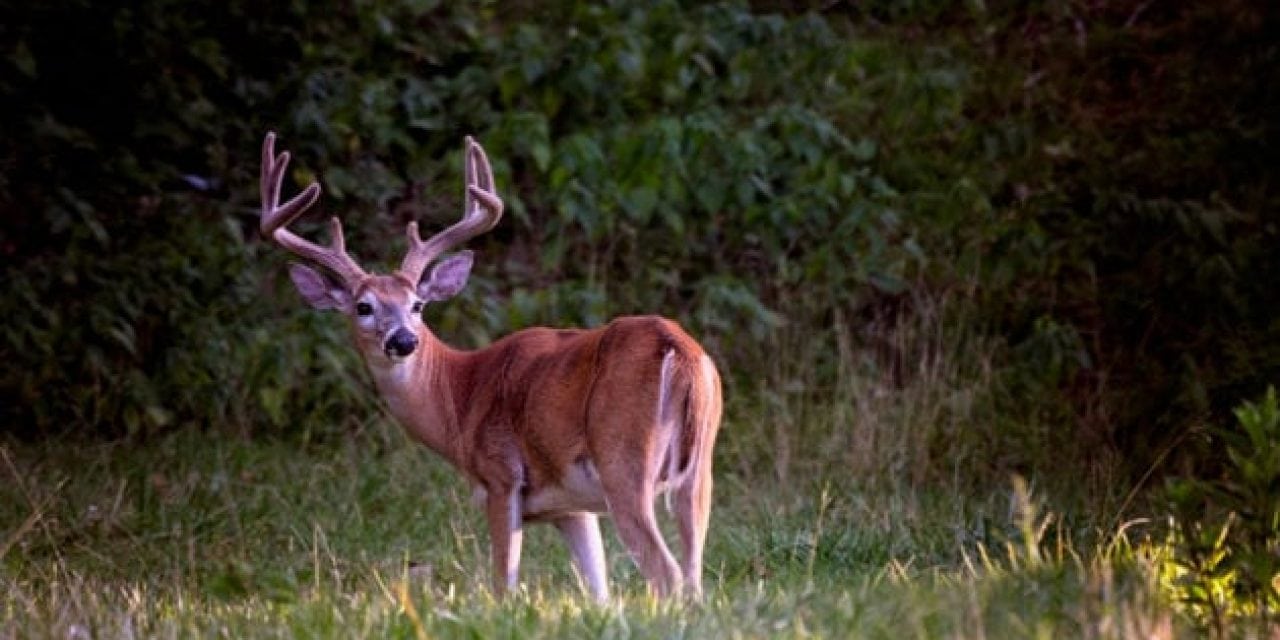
(1225, 531)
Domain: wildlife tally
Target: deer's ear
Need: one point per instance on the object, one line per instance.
(447, 278)
(319, 292)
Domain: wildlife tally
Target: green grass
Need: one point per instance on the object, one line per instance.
(201, 534)
(877, 506)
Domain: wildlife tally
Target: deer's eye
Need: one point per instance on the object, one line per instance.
(364, 308)
(417, 307)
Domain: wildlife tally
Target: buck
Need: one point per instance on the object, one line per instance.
(548, 425)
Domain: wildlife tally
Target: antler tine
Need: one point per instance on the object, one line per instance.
(276, 218)
(481, 213)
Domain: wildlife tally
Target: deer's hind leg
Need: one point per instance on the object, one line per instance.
(630, 491)
(628, 457)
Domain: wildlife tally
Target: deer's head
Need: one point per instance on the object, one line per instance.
(385, 309)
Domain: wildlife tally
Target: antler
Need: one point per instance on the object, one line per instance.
(482, 210)
(276, 218)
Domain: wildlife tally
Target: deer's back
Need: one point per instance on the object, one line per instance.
(554, 398)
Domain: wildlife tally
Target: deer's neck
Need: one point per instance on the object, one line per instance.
(418, 393)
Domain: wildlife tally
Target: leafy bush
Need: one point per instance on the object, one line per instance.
(1225, 532)
(151, 333)
(657, 161)
(1087, 185)
(1139, 206)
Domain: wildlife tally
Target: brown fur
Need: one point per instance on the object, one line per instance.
(552, 425)
(517, 414)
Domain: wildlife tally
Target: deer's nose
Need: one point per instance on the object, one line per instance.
(401, 343)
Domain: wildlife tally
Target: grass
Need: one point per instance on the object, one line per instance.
(200, 534)
(873, 508)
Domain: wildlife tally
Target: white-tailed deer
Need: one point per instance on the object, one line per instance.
(549, 425)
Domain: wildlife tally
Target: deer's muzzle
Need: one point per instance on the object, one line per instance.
(401, 343)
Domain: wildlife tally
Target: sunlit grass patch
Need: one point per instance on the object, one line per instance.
(197, 534)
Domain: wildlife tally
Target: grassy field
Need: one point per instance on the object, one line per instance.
(984, 282)
(880, 509)
(200, 534)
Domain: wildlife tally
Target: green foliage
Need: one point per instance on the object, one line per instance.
(157, 337)
(1089, 184)
(714, 176)
(1225, 531)
(1148, 144)
(654, 159)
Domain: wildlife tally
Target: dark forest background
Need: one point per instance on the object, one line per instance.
(1081, 195)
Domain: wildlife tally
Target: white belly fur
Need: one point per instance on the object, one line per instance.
(579, 490)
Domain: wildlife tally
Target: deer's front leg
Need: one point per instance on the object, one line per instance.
(505, 535)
